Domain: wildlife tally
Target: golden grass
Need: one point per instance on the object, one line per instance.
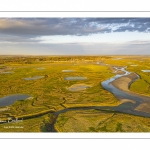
(50, 94)
(100, 121)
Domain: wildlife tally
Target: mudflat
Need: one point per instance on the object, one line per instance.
(123, 84)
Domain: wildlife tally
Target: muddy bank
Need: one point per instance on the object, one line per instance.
(123, 83)
(118, 85)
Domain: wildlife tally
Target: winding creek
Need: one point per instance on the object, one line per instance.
(127, 107)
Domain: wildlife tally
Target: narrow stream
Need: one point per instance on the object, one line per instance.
(118, 93)
(127, 107)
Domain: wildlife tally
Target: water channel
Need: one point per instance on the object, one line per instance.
(127, 107)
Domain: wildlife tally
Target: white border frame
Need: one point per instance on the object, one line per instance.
(48, 14)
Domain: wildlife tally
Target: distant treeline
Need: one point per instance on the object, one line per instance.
(36, 59)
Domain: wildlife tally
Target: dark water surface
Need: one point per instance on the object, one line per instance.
(127, 107)
(9, 100)
(118, 93)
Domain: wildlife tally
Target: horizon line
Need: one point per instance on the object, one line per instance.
(76, 55)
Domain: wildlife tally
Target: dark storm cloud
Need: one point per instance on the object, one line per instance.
(72, 26)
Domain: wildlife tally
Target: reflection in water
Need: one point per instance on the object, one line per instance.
(34, 78)
(124, 107)
(9, 100)
(127, 107)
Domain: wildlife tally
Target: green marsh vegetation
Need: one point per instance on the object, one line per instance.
(135, 64)
(50, 94)
(101, 121)
(142, 85)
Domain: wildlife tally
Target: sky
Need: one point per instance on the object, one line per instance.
(74, 36)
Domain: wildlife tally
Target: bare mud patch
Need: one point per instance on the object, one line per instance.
(79, 87)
